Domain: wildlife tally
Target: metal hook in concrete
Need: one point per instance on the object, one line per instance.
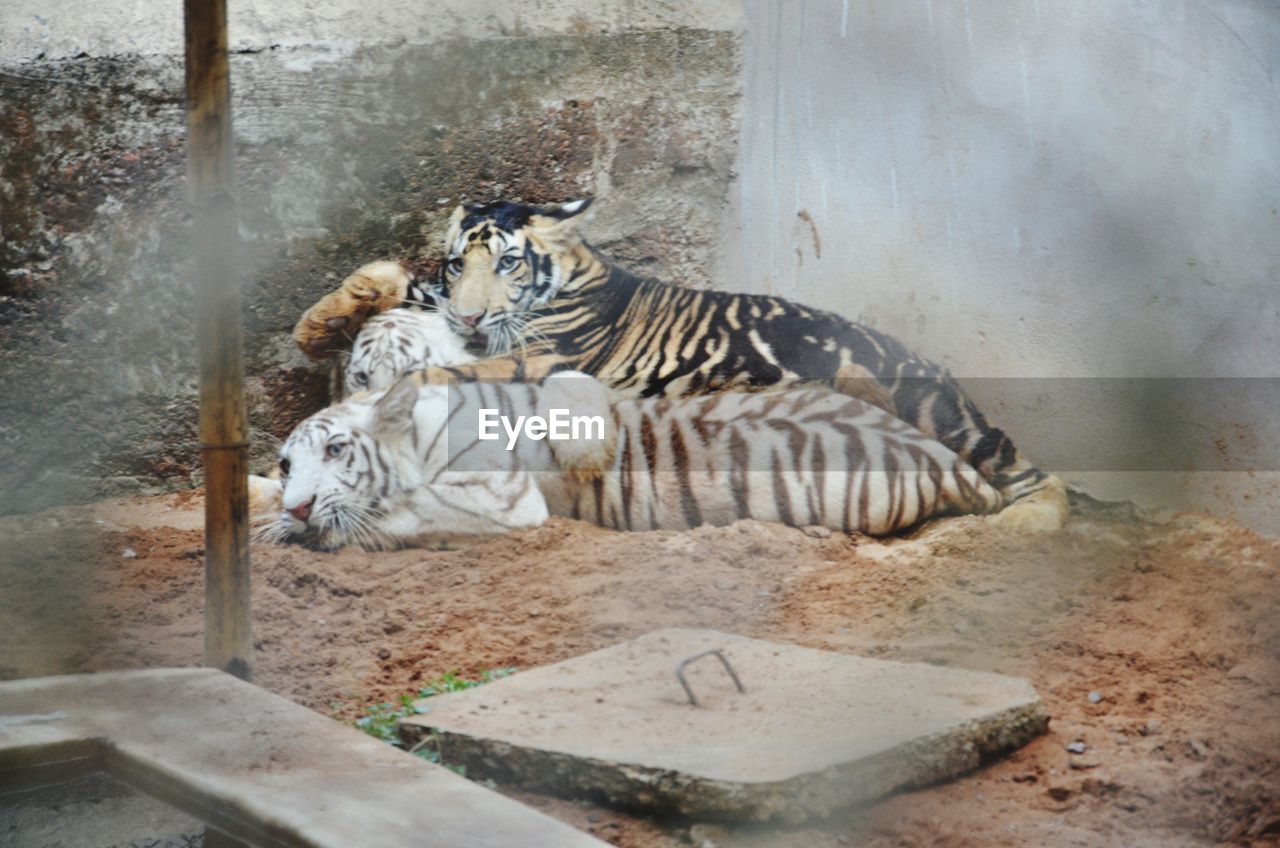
(716, 652)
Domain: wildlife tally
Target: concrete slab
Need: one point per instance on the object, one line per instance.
(814, 731)
(257, 767)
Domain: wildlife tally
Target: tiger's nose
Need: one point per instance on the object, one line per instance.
(472, 319)
(302, 510)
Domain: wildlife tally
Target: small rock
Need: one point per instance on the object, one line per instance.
(1199, 749)
(1076, 748)
(384, 653)
(1152, 727)
(1095, 697)
(128, 553)
(1084, 763)
(817, 531)
(724, 584)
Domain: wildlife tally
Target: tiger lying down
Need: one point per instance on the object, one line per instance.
(527, 293)
(406, 465)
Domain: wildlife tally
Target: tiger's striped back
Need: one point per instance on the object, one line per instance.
(407, 465)
(810, 457)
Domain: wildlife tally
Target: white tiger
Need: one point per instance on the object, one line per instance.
(406, 466)
(399, 341)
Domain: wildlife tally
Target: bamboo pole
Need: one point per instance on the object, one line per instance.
(224, 431)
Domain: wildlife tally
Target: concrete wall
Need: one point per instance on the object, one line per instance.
(358, 127)
(1039, 189)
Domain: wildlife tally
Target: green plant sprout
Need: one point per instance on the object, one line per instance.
(380, 720)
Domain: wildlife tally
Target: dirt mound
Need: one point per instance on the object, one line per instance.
(1155, 646)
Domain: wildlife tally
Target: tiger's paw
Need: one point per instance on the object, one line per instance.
(266, 499)
(589, 453)
(333, 321)
(1042, 511)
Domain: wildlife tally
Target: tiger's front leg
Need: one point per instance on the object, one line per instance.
(564, 388)
(332, 322)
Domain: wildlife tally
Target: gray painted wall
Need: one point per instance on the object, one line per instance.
(1039, 189)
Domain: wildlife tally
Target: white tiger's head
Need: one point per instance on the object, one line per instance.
(393, 343)
(417, 463)
(343, 468)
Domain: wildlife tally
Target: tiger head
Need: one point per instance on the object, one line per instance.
(341, 470)
(394, 343)
(504, 260)
(387, 469)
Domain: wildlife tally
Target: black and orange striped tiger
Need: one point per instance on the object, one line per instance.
(530, 295)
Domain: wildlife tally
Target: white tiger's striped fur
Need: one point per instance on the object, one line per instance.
(406, 467)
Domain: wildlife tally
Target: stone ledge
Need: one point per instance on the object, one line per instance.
(253, 764)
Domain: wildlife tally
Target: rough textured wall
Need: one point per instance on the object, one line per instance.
(1039, 189)
(356, 135)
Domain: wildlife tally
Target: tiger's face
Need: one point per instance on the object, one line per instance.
(394, 343)
(338, 467)
(502, 264)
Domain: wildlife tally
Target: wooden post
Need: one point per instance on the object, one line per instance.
(224, 430)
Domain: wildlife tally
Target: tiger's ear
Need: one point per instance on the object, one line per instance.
(556, 215)
(393, 412)
(556, 224)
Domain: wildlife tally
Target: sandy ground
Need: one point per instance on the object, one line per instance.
(1175, 626)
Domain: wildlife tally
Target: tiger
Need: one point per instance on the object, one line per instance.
(532, 297)
(391, 344)
(408, 466)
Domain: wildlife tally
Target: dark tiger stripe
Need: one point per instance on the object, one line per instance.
(740, 484)
(626, 480)
(680, 461)
(818, 468)
(597, 492)
(780, 499)
(649, 444)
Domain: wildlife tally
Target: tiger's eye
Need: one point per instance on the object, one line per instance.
(506, 263)
(361, 378)
(455, 265)
(284, 466)
(334, 450)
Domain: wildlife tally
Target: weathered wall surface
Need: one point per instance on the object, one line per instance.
(1040, 189)
(358, 129)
